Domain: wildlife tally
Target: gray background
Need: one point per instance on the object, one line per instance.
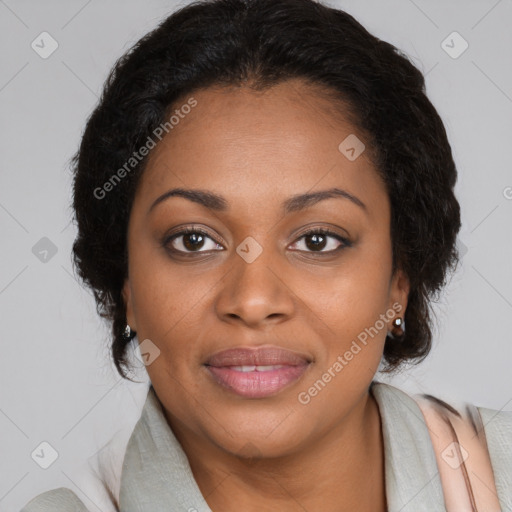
(57, 384)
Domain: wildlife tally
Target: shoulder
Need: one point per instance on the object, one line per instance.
(474, 425)
(495, 425)
(498, 423)
(498, 433)
(477, 429)
(56, 500)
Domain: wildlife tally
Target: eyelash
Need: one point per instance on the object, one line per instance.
(314, 231)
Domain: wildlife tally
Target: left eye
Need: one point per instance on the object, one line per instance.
(318, 240)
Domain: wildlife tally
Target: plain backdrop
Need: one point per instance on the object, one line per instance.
(57, 383)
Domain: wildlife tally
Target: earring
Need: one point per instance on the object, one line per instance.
(127, 334)
(399, 325)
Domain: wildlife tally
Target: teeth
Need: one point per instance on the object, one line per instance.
(244, 368)
(257, 368)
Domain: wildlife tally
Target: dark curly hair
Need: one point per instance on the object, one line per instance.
(259, 43)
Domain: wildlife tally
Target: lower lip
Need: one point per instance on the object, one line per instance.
(256, 384)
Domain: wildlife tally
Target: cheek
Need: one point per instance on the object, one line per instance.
(353, 341)
(157, 301)
(356, 293)
(166, 309)
(353, 305)
(162, 291)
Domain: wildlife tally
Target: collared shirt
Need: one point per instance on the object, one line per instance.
(156, 475)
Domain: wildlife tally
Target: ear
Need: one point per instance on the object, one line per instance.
(126, 293)
(399, 291)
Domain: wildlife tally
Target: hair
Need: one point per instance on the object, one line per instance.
(258, 44)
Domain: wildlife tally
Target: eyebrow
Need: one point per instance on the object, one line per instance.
(215, 202)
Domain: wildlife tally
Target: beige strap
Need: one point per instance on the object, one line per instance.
(462, 456)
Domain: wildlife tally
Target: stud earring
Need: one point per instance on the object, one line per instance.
(127, 334)
(398, 327)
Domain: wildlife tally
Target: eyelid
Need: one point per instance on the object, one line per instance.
(328, 230)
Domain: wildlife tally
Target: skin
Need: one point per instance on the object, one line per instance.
(257, 150)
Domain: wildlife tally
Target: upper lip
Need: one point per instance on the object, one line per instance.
(261, 356)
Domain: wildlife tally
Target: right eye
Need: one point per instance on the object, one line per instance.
(189, 241)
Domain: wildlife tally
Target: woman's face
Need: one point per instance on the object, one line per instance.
(319, 305)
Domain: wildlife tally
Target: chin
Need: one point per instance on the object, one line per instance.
(259, 434)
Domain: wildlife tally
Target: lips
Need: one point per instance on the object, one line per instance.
(257, 372)
(263, 356)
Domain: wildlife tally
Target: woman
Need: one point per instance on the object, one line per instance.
(264, 197)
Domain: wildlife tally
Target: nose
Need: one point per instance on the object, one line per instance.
(256, 293)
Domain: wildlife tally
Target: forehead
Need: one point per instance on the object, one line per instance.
(261, 147)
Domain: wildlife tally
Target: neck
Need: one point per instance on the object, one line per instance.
(342, 470)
